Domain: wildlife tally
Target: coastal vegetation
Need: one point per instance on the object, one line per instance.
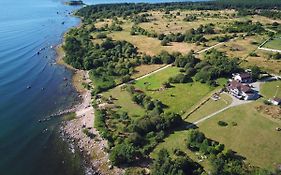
(154, 68)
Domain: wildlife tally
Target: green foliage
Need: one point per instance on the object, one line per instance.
(101, 36)
(181, 165)
(247, 26)
(123, 154)
(256, 71)
(222, 123)
(70, 116)
(215, 65)
(180, 78)
(88, 133)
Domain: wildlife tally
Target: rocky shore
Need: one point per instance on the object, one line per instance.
(81, 134)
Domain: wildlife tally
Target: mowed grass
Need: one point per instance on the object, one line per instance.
(178, 98)
(123, 100)
(254, 137)
(210, 107)
(274, 44)
(270, 89)
(155, 81)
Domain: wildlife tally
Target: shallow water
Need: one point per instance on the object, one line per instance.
(26, 27)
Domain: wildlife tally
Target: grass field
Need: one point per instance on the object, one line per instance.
(263, 61)
(254, 137)
(271, 89)
(241, 47)
(180, 97)
(210, 107)
(274, 44)
(151, 46)
(123, 99)
(156, 80)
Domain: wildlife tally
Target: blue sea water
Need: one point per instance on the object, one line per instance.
(26, 28)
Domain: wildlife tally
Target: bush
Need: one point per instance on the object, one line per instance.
(266, 102)
(101, 36)
(234, 124)
(122, 154)
(164, 42)
(222, 123)
(180, 78)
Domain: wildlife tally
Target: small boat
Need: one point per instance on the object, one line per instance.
(63, 23)
(28, 87)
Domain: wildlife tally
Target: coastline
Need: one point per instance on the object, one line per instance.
(93, 149)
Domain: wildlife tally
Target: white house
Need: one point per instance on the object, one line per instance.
(244, 77)
(241, 91)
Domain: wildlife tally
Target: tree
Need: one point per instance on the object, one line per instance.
(164, 42)
(255, 72)
(123, 153)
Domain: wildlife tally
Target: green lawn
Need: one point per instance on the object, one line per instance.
(179, 98)
(210, 107)
(270, 89)
(182, 97)
(155, 81)
(254, 137)
(123, 99)
(274, 44)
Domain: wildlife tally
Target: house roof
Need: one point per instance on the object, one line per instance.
(245, 75)
(278, 100)
(241, 87)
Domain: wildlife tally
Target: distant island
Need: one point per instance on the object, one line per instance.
(74, 3)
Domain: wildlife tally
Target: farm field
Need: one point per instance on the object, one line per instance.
(254, 137)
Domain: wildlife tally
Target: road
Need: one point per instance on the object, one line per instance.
(235, 102)
(271, 50)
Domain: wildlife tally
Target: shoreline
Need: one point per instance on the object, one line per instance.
(92, 149)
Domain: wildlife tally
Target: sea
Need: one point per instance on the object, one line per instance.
(33, 86)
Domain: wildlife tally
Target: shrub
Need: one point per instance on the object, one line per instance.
(101, 35)
(222, 123)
